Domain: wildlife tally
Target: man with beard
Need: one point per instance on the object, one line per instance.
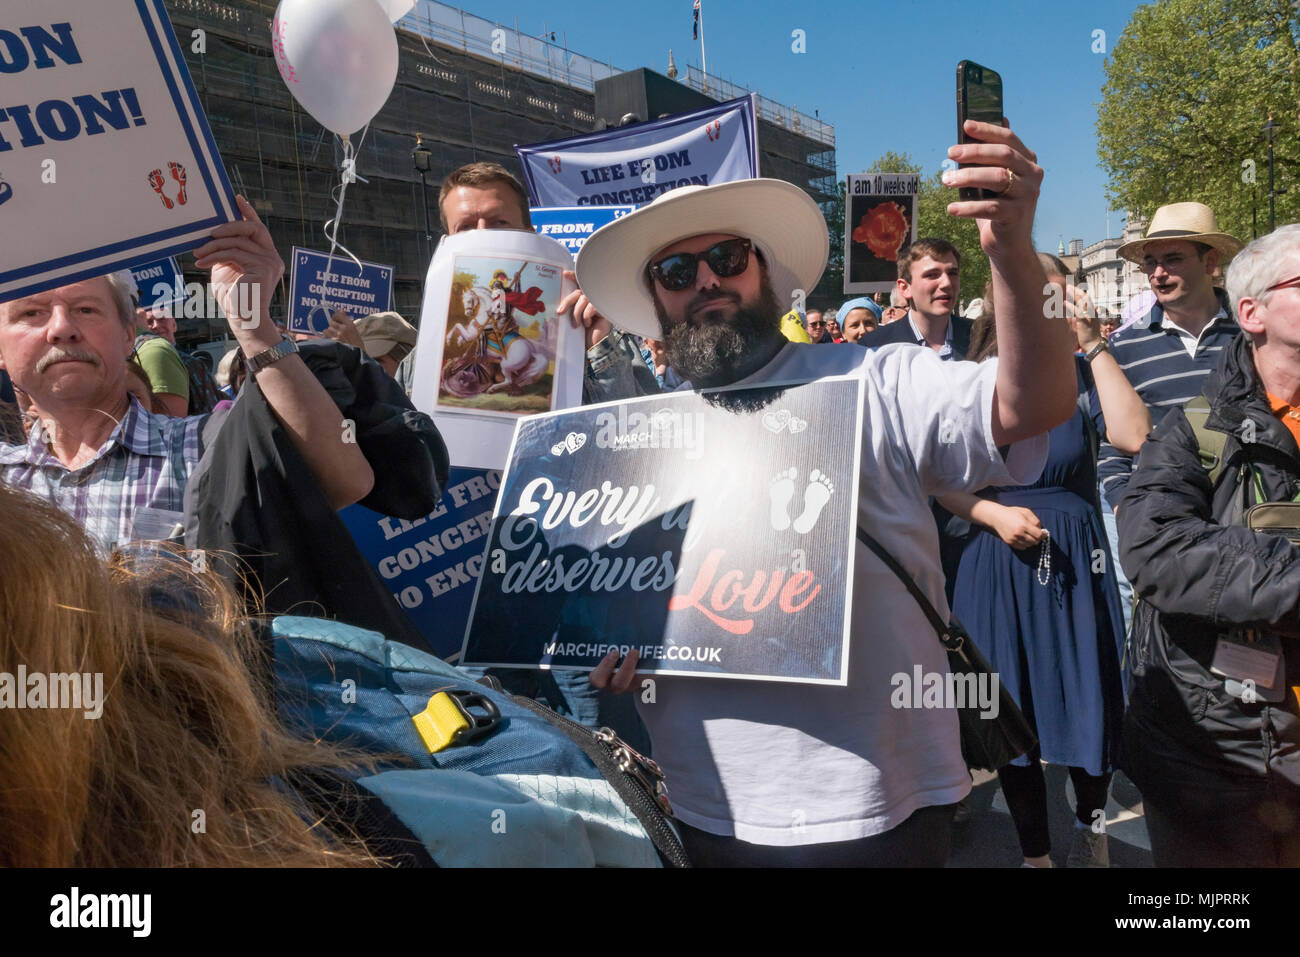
(1168, 353)
(769, 774)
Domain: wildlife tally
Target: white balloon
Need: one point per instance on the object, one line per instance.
(338, 58)
(396, 9)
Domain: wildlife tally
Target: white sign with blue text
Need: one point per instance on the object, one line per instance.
(634, 164)
(106, 159)
(572, 226)
(160, 283)
(358, 292)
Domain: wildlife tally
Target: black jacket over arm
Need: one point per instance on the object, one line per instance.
(253, 497)
(1200, 572)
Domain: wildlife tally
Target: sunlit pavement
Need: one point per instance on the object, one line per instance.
(988, 839)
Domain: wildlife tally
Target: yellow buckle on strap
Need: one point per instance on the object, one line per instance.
(446, 720)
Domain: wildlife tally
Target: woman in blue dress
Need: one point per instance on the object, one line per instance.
(1038, 594)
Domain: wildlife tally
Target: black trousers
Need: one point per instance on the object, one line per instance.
(920, 841)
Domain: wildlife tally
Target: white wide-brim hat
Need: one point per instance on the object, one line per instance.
(1192, 222)
(778, 217)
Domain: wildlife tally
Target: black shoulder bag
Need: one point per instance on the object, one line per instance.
(986, 743)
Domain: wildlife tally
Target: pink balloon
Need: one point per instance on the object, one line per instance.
(338, 58)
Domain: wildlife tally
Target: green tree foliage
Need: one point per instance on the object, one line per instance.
(1188, 89)
(830, 290)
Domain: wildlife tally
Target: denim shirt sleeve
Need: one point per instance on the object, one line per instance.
(614, 370)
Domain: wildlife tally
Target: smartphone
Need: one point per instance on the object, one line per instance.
(979, 97)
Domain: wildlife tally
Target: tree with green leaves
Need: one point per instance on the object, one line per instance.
(1189, 87)
(830, 290)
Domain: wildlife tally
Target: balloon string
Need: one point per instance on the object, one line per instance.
(347, 173)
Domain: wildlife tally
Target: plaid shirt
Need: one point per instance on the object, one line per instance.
(144, 463)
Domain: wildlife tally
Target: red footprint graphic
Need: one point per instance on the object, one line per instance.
(178, 174)
(156, 181)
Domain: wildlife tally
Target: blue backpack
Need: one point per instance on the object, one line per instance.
(476, 777)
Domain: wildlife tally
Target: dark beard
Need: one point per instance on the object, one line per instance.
(712, 352)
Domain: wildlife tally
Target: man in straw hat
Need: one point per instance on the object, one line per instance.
(1212, 731)
(780, 774)
(1168, 353)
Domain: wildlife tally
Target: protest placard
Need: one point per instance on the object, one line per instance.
(491, 347)
(635, 164)
(358, 292)
(571, 226)
(431, 565)
(879, 221)
(712, 531)
(106, 159)
(160, 284)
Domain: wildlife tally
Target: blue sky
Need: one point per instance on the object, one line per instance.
(884, 74)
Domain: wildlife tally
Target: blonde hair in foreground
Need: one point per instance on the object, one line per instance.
(184, 726)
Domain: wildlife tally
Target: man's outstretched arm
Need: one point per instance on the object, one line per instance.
(1036, 385)
(245, 270)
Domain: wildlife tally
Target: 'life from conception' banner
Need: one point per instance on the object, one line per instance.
(357, 293)
(634, 164)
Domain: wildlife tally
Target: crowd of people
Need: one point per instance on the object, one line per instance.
(1020, 462)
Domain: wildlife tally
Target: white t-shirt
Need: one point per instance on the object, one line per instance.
(786, 764)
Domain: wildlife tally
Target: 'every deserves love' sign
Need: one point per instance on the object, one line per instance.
(711, 531)
(106, 159)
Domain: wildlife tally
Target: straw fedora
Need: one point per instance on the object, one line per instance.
(778, 217)
(1193, 222)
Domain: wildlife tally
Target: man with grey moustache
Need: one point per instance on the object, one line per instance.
(95, 452)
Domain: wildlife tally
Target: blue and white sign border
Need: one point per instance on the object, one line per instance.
(293, 322)
(750, 133)
(157, 245)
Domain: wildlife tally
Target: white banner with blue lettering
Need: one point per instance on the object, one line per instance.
(634, 164)
(572, 226)
(106, 159)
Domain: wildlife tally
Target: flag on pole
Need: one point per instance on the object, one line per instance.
(695, 26)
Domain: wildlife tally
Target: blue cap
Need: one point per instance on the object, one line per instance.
(863, 302)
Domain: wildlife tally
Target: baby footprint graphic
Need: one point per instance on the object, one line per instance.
(815, 497)
(782, 492)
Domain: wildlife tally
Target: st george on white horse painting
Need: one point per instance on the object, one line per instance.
(499, 353)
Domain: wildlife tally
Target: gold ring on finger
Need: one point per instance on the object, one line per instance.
(1011, 181)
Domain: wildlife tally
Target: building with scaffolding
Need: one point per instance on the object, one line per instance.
(466, 102)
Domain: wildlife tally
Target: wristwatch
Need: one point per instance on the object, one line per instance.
(285, 347)
(1097, 350)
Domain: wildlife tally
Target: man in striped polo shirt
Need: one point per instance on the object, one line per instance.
(1168, 353)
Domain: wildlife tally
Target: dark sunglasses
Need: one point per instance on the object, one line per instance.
(727, 258)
